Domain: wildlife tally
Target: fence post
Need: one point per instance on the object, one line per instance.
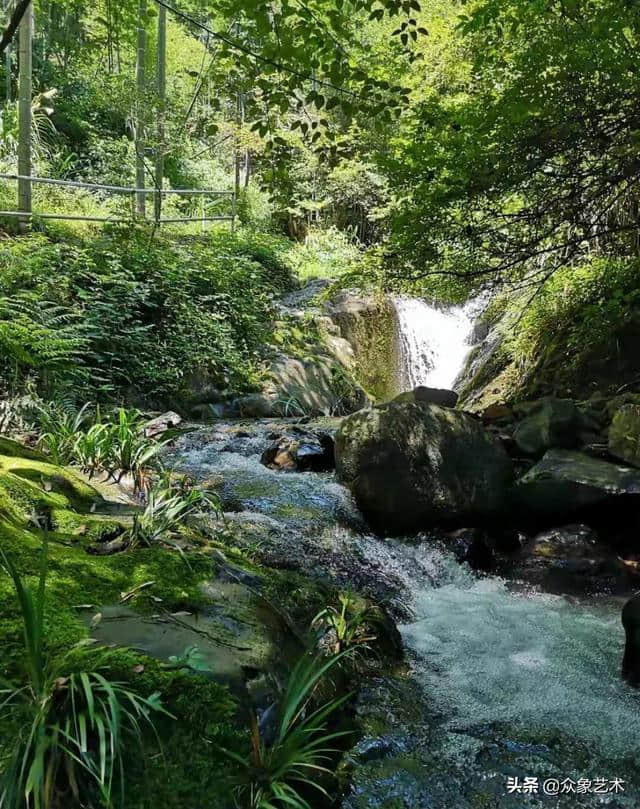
(24, 116)
(140, 97)
(161, 70)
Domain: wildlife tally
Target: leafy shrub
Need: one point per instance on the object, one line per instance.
(583, 307)
(167, 508)
(349, 625)
(116, 447)
(325, 253)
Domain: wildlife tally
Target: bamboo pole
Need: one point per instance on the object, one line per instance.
(140, 101)
(161, 87)
(24, 115)
(8, 7)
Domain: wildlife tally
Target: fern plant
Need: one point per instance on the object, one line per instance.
(73, 726)
(41, 335)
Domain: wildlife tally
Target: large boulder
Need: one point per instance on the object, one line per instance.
(369, 325)
(413, 465)
(315, 385)
(565, 481)
(624, 434)
(549, 423)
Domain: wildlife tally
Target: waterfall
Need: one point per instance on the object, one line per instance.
(433, 342)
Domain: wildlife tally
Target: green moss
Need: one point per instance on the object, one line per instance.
(17, 450)
(375, 341)
(86, 528)
(58, 479)
(187, 768)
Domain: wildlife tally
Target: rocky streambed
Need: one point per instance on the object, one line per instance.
(508, 687)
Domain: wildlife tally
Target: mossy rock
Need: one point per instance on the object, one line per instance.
(564, 482)
(412, 466)
(17, 450)
(54, 480)
(549, 423)
(624, 434)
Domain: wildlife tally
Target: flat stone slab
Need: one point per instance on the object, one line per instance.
(565, 481)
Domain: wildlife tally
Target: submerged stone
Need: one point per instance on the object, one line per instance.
(570, 559)
(631, 624)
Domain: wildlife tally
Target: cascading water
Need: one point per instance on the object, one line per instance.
(433, 342)
(505, 682)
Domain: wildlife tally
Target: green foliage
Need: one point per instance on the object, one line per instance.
(325, 253)
(519, 163)
(348, 625)
(584, 308)
(167, 508)
(75, 725)
(274, 774)
(116, 446)
(123, 313)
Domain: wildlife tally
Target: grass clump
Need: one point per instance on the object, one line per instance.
(275, 774)
(74, 725)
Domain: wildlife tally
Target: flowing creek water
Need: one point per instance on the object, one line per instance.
(503, 682)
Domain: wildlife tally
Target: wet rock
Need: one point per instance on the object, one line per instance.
(571, 560)
(423, 395)
(416, 465)
(300, 298)
(471, 546)
(368, 324)
(310, 453)
(624, 434)
(550, 423)
(564, 482)
(614, 404)
(255, 405)
(217, 410)
(631, 624)
(161, 424)
(497, 413)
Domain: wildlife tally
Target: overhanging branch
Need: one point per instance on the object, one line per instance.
(12, 26)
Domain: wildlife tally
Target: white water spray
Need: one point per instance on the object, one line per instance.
(434, 342)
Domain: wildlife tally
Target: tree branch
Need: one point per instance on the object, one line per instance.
(12, 26)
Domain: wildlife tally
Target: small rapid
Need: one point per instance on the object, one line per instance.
(488, 654)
